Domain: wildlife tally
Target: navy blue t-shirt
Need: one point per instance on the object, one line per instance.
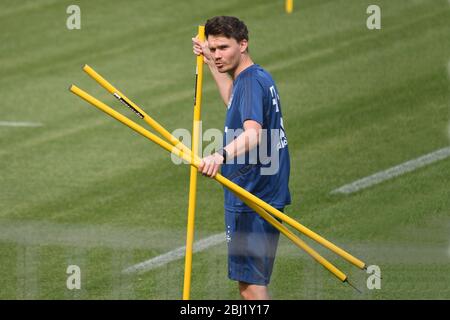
(263, 171)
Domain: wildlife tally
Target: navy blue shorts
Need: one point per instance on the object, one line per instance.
(252, 245)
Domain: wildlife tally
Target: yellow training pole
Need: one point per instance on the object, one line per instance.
(232, 186)
(280, 215)
(188, 157)
(300, 243)
(193, 178)
(289, 5)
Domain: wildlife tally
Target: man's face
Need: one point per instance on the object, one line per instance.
(226, 52)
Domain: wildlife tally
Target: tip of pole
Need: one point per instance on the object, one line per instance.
(351, 285)
(70, 87)
(85, 66)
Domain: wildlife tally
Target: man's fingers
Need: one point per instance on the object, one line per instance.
(197, 48)
(204, 45)
(216, 169)
(210, 170)
(200, 166)
(197, 42)
(208, 167)
(205, 169)
(201, 44)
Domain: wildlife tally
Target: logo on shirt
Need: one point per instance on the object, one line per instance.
(228, 236)
(283, 140)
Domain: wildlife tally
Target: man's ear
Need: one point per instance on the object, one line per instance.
(243, 45)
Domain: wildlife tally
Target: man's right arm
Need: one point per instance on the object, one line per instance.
(223, 80)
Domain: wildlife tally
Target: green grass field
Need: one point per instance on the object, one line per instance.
(84, 190)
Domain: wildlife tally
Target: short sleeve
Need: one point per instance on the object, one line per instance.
(251, 103)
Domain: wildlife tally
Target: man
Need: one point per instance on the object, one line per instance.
(253, 111)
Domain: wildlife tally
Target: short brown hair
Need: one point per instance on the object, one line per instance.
(230, 27)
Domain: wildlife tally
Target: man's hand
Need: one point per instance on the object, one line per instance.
(223, 80)
(201, 48)
(210, 165)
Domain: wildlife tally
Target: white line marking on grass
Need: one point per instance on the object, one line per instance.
(394, 171)
(176, 254)
(47, 233)
(19, 124)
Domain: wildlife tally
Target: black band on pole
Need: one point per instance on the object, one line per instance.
(125, 102)
(195, 93)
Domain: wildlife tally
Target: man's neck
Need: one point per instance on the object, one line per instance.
(245, 63)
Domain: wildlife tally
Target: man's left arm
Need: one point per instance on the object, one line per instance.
(245, 142)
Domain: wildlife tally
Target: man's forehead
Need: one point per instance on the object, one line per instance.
(220, 40)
